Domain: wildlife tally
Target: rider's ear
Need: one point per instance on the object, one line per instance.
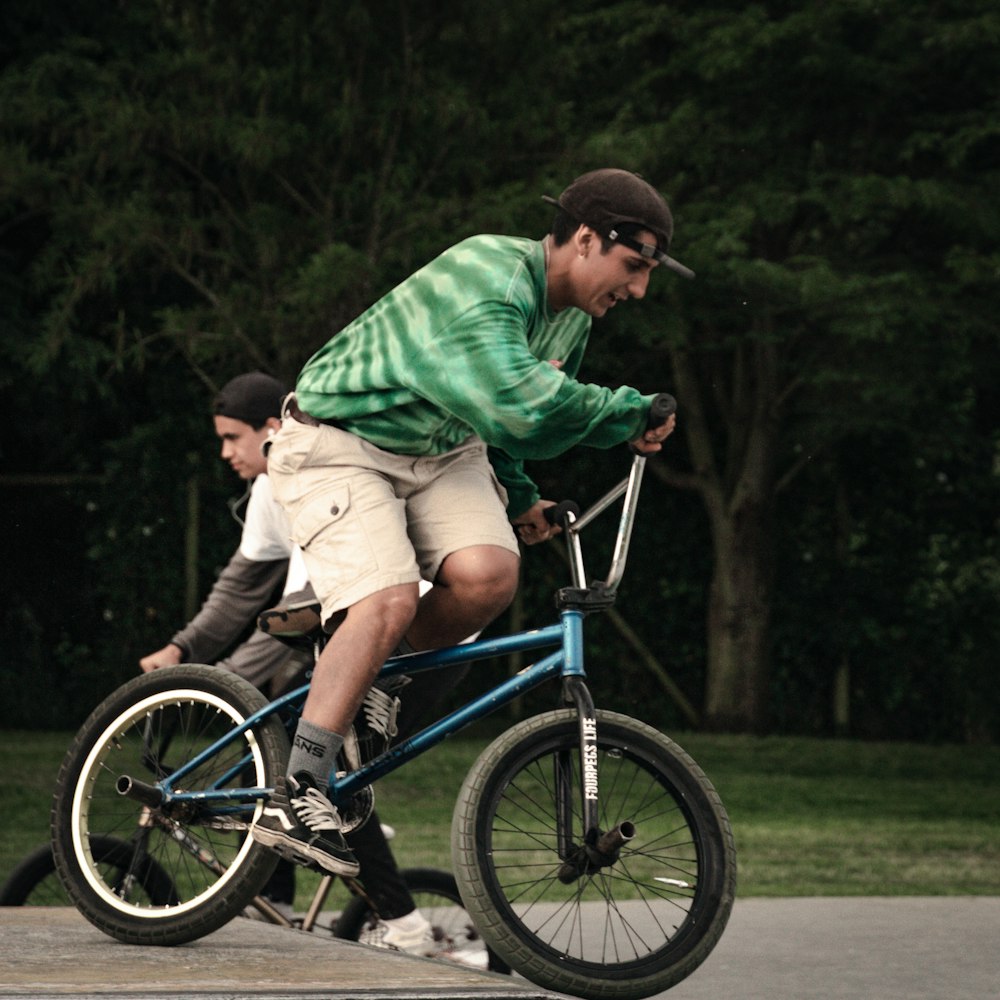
(584, 240)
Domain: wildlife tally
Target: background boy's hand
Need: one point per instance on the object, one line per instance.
(169, 656)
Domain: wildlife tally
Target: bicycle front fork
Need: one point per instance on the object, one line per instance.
(599, 848)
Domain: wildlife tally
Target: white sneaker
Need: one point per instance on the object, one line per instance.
(412, 934)
(415, 935)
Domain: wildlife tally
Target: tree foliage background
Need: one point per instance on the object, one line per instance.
(194, 190)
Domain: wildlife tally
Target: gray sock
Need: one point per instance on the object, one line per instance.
(314, 750)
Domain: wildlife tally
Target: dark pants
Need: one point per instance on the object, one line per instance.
(379, 872)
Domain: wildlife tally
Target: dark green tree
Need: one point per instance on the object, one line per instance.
(832, 165)
(191, 190)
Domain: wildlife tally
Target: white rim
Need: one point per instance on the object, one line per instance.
(81, 797)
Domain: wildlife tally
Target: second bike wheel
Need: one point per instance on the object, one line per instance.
(625, 928)
(146, 730)
(436, 895)
(34, 881)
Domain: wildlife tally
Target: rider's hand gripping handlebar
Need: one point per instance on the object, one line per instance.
(660, 410)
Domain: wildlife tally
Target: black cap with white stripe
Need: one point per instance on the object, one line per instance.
(615, 203)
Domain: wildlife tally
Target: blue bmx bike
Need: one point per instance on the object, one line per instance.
(592, 853)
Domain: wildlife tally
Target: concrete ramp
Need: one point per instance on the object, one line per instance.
(53, 952)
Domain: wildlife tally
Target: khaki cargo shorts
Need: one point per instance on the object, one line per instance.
(368, 519)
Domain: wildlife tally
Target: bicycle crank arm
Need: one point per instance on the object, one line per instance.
(263, 906)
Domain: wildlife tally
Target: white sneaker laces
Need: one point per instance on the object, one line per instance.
(381, 711)
(315, 810)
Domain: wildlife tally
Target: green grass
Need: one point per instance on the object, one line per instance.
(827, 817)
(811, 817)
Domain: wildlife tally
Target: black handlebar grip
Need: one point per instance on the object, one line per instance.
(557, 514)
(660, 409)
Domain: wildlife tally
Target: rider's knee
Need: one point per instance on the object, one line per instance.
(484, 576)
(392, 609)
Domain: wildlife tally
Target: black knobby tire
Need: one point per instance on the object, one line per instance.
(436, 895)
(35, 882)
(146, 730)
(626, 931)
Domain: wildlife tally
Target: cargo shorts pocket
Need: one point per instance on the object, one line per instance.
(318, 516)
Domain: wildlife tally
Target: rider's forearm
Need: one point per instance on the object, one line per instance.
(242, 590)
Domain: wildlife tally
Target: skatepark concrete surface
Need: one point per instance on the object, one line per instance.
(854, 948)
(54, 952)
(837, 948)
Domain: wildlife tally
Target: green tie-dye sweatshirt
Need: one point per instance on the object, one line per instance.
(463, 347)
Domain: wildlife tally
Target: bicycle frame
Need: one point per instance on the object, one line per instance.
(566, 662)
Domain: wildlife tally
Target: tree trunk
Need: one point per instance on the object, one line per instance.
(738, 622)
(737, 484)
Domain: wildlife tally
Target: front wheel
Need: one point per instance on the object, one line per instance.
(145, 731)
(625, 927)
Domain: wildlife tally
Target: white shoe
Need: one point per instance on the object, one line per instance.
(412, 934)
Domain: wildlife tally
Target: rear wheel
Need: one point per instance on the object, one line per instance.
(627, 925)
(145, 731)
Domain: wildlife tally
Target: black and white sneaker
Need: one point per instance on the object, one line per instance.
(375, 726)
(302, 825)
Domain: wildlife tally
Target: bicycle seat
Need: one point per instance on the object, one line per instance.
(297, 625)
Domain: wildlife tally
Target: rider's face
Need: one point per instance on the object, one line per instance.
(241, 446)
(601, 280)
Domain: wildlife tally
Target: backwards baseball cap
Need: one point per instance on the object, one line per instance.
(609, 199)
(251, 398)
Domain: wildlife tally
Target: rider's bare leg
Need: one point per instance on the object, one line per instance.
(354, 654)
(473, 587)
